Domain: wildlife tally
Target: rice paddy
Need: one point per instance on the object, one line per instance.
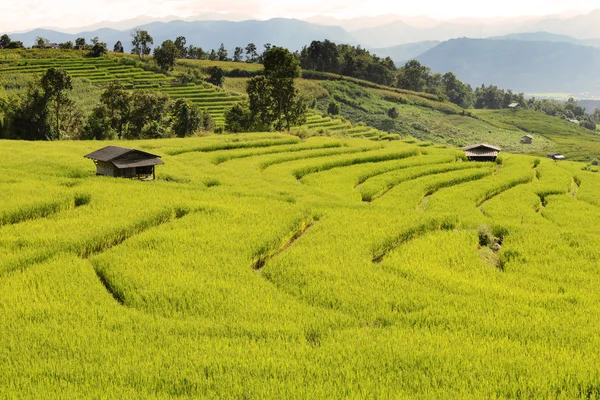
(101, 71)
(266, 266)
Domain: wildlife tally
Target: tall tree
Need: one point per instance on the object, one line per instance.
(251, 53)
(185, 118)
(117, 102)
(56, 84)
(118, 47)
(141, 41)
(281, 68)
(180, 44)
(166, 54)
(222, 53)
(237, 54)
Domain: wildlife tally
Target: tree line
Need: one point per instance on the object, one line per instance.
(353, 61)
(47, 112)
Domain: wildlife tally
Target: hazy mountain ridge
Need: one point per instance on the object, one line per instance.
(523, 66)
(289, 33)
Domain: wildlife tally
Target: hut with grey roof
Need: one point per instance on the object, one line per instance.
(482, 152)
(121, 162)
(527, 139)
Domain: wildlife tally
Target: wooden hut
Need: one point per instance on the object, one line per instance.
(514, 106)
(527, 139)
(556, 156)
(482, 152)
(125, 163)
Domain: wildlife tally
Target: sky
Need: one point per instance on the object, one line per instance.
(78, 13)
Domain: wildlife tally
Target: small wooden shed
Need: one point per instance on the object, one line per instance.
(527, 139)
(514, 106)
(122, 162)
(556, 156)
(482, 152)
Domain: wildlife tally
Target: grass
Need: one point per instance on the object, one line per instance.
(228, 277)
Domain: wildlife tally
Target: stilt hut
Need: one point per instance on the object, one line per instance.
(121, 162)
(482, 152)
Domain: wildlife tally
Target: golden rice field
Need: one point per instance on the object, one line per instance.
(262, 266)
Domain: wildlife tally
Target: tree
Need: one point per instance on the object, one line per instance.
(166, 54)
(147, 114)
(98, 49)
(413, 76)
(213, 55)
(117, 101)
(185, 118)
(180, 44)
(4, 41)
(27, 117)
(261, 101)
(68, 45)
(56, 84)
(80, 43)
(118, 47)
(239, 118)
(41, 41)
(141, 41)
(333, 108)
(281, 68)
(237, 54)
(222, 53)
(251, 53)
(216, 76)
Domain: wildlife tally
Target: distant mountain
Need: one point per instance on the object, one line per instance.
(144, 19)
(406, 30)
(586, 26)
(289, 33)
(534, 67)
(405, 52)
(548, 37)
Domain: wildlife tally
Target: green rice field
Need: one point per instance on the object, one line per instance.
(101, 71)
(268, 266)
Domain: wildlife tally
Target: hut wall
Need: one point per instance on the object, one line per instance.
(104, 168)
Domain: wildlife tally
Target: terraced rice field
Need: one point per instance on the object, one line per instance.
(337, 126)
(101, 71)
(262, 266)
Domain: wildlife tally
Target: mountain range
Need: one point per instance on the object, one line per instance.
(529, 54)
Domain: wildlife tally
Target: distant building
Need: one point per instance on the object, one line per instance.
(527, 139)
(482, 152)
(574, 121)
(514, 106)
(556, 156)
(46, 46)
(125, 163)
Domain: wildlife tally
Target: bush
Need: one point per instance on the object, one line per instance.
(393, 113)
(333, 108)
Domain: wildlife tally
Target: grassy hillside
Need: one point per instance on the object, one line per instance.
(262, 266)
(420, 115)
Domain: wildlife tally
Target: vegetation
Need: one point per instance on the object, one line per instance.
(229, 277)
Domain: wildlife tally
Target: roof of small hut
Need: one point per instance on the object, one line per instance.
(110, 153)
(483, 145)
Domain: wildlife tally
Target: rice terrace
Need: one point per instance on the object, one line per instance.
(279, 228)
